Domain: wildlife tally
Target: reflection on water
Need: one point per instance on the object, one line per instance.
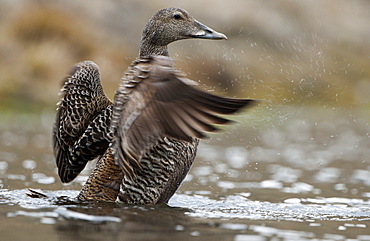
(300, 174)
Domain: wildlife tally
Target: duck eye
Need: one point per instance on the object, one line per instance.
(177, 16)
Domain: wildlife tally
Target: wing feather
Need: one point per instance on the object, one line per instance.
(80, 116)
(156, 101)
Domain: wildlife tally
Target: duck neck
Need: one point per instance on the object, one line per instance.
(147, 49)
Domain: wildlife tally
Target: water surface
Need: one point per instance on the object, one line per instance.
(280, 173)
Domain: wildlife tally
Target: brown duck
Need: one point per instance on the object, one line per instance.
(145, 141)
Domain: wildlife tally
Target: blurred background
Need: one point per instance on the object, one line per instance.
(301, 156)
(286, 52)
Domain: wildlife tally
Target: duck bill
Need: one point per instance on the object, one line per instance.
(206, 32)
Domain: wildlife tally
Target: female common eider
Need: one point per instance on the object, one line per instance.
(146, 140)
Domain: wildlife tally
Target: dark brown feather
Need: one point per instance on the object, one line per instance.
(82, 113)
(160, 104)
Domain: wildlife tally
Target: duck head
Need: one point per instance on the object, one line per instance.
(169, 25)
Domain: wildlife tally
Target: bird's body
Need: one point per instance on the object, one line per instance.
(163, 169)
(153, 126)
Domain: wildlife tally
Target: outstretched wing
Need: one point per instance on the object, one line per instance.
(156, 101)
(79, 113)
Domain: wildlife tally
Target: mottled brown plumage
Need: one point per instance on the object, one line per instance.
(105, 180)
(154, 124)
(81, 125)
(156, 101)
